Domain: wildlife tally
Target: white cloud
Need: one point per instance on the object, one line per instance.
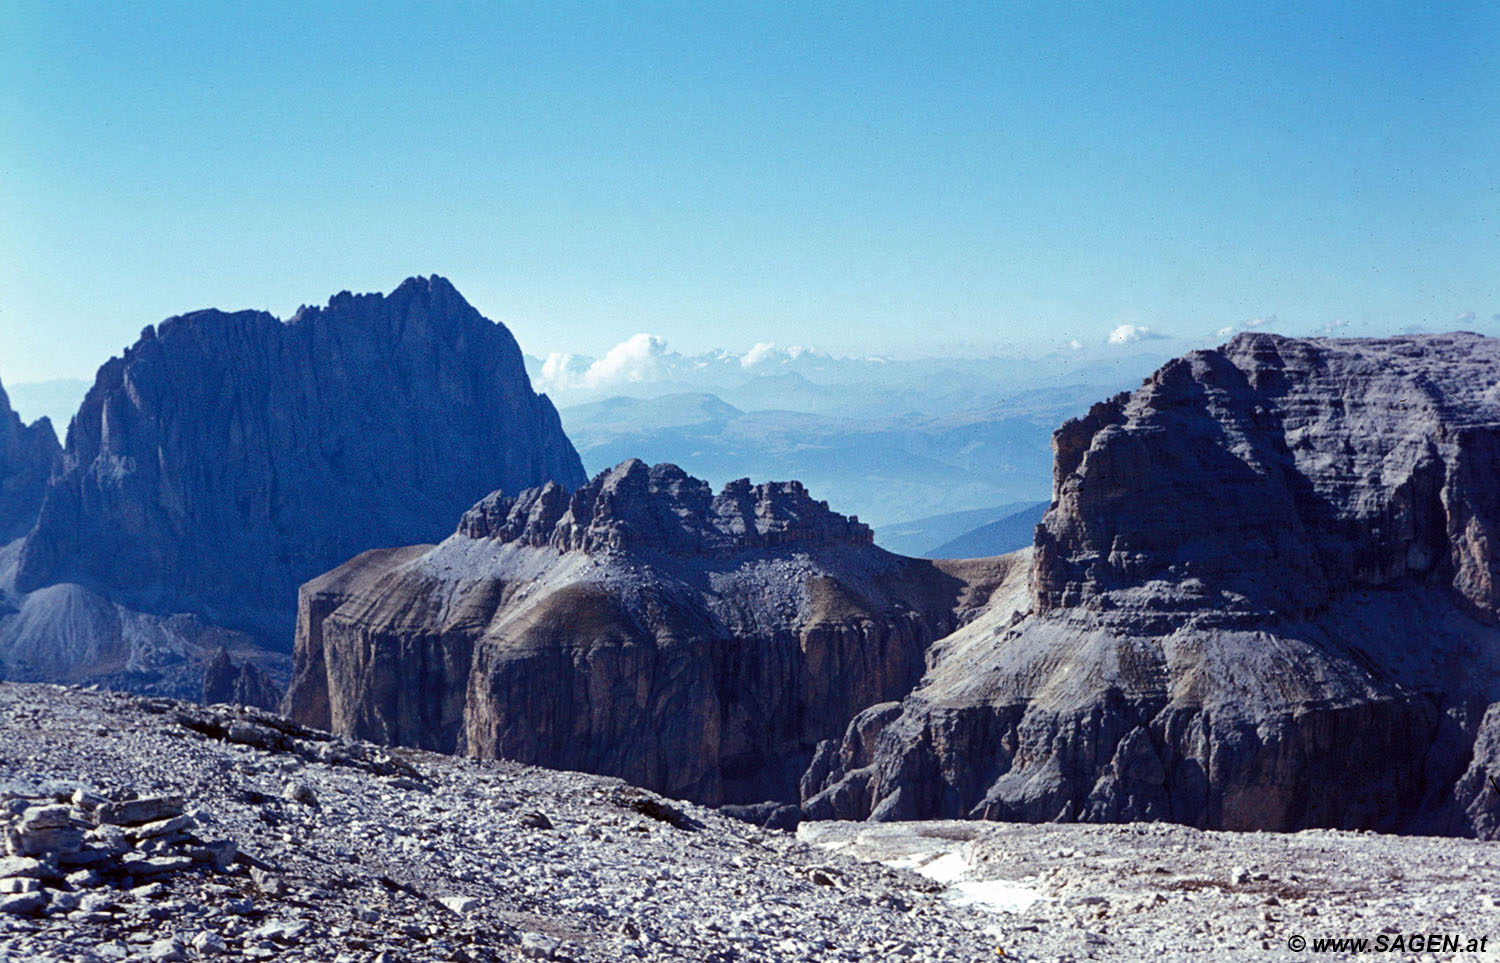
(1333, 326)
(766, 352)
(561, 370)
(640, 358)
(1076, 345)
(1467, 317)
(1131, 333)
(1225, 331)
(762, 352)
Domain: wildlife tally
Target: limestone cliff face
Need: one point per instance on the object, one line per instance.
(695, 643)
(1279, 473)
(27, 456)
(224, 459)
(1264, 598)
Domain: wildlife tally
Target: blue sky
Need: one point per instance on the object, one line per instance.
(901, 179)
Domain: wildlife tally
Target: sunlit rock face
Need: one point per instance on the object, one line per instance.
(1264, 598)
(643, 626)
(1278, 473)
(224, 459)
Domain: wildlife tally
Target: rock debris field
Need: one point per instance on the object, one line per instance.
(147, 829)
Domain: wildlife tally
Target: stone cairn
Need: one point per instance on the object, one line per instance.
(59, 851)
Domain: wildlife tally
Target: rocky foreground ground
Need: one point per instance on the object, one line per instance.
(149, 829)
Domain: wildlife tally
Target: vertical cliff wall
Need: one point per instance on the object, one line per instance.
(1264, 598)
(224, 459)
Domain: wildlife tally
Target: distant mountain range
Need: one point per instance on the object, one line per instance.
(889, 469)
(1262, 594)
(1007, 534)
(818, 383)
(907, 445)
(918, 537)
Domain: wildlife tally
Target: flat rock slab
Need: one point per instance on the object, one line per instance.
(137, 811)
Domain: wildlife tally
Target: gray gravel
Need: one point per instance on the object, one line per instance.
(349, 851)
(1163, 892)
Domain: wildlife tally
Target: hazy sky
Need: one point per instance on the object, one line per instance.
(861, 178)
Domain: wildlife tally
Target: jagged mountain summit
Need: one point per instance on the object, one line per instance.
(1264, 597)
(696, 643)
(28, 454)
(225, 458)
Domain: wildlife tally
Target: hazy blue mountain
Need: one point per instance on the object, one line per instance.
(918, 536)
(1007, 534)
(888, 440)
(768, 378)
(882, 468)
(226, 458)
(28, 453)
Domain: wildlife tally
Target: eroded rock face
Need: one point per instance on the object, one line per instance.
(224, 459)
(695, 643)
(27, 457)
(1278, 473)
(1263, 599)
(243, 684)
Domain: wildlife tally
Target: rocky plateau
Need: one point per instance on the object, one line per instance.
(1264, 598)
(693, 643)
(144, 829)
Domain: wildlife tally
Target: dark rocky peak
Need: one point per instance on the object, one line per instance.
(226, 458)
(419, 308)
(1272, 473)
(27, 456)
(246, 685)
(528, 518)
(1264, 597)
(664, 509)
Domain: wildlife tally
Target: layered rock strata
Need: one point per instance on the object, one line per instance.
(694, 643)
(1264, 597)
(71, 855)
(226, 458)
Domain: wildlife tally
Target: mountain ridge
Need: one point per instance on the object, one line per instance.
(28, 454)
(642, 627)
(226, 457)
(1260, 599)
